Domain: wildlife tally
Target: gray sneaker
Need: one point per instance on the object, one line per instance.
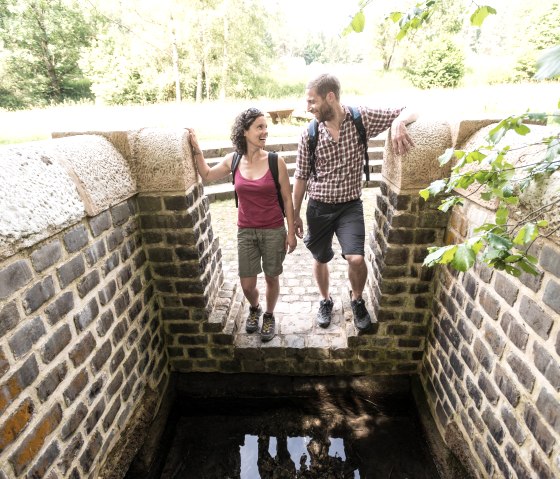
(362, 319)
(325, 312)
(268, 327)
(252, 323)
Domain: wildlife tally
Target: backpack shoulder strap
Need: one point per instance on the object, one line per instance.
(313, 138)
(359, 124)
(273, 166)
(234, 164)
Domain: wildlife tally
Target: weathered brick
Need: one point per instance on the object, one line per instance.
(495, 340)
(483, 355)
(105, 322)
(115, 384)
(535, 317)
(120, 213)
(62, 305)
(457, 365)
(522, 371)
(470, 284)
(114, 239)
(547, 365)
(124, 276)
(130, 362)
(34, 441)
(111, 414)
(95, 252)
(4, 363)
(75, 387)
(513, 424)
(26, 336)
(484, 271)
(56, 343)
(541, 469)
(549, 406)
(515, 331)
(488, 389)
(474, 393)
(9, 318)
(46, 256)
(497, 455)
(12, 427)
(489, 303)
(86, 315)
(505, 287)
(506, 385)
(94, 414)
(550, 260)
(70, 271)
(117, 359)
(82, 349)
(121, 303)
(21, 379)
(87, 283)
(551, 296)
(100, 357)
(37, 295)
(484, 458)
(469, 359)
(39, 469)
(111, 263)
(91, 451)
(100, 223)
(539, 431)
(14, 277)
(465, 329)
(75, 239)
(76, 418)
(70, 453)
(51, 381)
(149, 203)
(128, 249)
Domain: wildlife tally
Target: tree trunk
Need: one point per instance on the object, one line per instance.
(176, 73)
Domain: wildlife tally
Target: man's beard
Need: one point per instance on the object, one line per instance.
(326, 113)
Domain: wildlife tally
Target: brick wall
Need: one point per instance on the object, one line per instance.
(491, 370)
(81, 346)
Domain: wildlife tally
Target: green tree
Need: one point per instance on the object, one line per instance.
(44, 39)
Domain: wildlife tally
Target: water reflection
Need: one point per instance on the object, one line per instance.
(342, 438)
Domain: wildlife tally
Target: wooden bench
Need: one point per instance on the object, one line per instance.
(280, 115)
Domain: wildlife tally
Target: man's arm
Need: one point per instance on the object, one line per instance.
(400, 139)
(299, 192)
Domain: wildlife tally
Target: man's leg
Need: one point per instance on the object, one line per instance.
(250, 290)
(272, 292)
(321, 274)
(357, 274)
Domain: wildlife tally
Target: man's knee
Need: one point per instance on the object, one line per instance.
(355, 261)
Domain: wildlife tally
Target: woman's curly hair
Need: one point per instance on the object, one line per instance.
(241, 124)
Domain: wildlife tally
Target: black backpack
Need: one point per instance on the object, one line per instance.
(313, 130)
(272, 165)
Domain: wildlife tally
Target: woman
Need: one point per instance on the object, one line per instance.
(262, 240)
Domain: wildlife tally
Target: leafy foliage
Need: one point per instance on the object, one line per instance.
(439, 64)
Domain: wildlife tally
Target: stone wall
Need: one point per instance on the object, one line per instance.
(491, 368)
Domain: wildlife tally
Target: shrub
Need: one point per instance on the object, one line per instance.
(439, 64)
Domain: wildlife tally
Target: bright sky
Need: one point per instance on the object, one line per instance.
(330, 16)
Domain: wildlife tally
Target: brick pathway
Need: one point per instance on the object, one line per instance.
(299, 296)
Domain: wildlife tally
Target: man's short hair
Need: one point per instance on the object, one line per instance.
(324, 84)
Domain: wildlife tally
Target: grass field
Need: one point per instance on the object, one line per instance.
(212, 120)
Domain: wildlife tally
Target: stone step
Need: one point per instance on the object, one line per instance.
(222, 191)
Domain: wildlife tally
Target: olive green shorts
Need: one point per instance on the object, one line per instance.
(261, 250)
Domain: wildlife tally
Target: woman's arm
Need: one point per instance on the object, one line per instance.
(284, 179)
(206, 173)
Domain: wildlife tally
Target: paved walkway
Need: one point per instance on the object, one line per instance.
(299, 297)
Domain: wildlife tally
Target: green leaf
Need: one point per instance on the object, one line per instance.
(441, 255)
(502, 216)
(512, 270)
(358, 22)
(449, 203)
(464, 258)
(446, 157)
(522, 129)
(526, 234)
(528, 267)
(395, 16)
(549, 64)
(542, 224)
(486, 196)
(480, 14)
(499, 242)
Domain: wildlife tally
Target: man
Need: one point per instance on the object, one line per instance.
(334, 187)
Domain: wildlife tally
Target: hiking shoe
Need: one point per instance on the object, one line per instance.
(252, 323)
(362, 320)
(325, 312)
(268, 327)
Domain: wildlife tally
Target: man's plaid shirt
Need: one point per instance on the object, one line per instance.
(339, 165)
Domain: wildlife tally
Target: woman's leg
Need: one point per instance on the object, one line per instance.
(272, 292)
(250, 290)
